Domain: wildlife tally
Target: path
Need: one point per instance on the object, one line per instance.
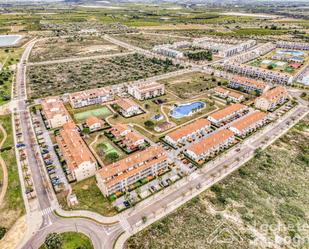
(93, 150)
(77, 59)
(4, 168)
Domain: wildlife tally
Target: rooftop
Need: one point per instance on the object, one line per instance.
(248, 120)
(227, 111)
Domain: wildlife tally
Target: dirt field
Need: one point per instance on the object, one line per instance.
(59, 48)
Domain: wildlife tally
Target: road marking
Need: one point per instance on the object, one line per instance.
(47, 211)
(124, 223)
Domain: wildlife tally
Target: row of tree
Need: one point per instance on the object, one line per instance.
(199, 55)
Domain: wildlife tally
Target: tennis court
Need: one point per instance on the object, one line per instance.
(101, 112)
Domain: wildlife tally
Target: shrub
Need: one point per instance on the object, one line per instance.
(53, 241)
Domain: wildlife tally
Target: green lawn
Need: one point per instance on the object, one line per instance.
(270, 189)
(13, 206)
(102, 112)
(74, 240)
(89, 198)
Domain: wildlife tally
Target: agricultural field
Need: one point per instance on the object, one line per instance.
(13, 205)
(89, 198)
(189, 85)
(149, 40)
(72, 46)
(56, 79)
(271, 189)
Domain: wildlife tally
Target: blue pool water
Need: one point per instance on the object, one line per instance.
(186, 109)
(8, 40)
(291, 52)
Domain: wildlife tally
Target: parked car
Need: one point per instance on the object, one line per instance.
(126, 203)
(20, 145)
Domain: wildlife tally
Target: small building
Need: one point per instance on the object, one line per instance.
(120, 130)
(54, 112)
(80, 161)
(133, 140)
(94, 123)
(221, 92)
(249, 123)
(272, 98)
(128, 107)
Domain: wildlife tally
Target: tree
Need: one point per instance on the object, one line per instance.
(2, 232)
(113, 156)
(53, 241)
(149, 124)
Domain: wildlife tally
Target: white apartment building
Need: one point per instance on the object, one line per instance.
(80, 161)
(272, 98)
(128, 107)
(248, 123)
(118, 176)
(293, 45)
(255, 72)
(54, 112)
(91, 97)
(146, 90)
(210, 145)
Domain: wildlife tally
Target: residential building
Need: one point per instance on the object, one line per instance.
(119, 176)
(272, 98)
(228, 114)
(167, 51)
(248, 85)
(227, 94)
(221, 92)
(188, 132)
(94, 123)
(132, 140)
(235, 97)
(210, 145)
(79, 160)
(120, 130)
(91, 97)
(128, 107)
(249, 123)
(258, 73)
(293, 45)
(54, 112)
(142, 91)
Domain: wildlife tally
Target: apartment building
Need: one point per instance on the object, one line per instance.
(54, 112)
(210, 145)
(128, 107)
(228, 114)
(188, 132)
(118, 176)
(249, 123)
(144, 90)
(293, 45)
(272, 98)
(91, 97)
(167, 51)
(248, 84)
(79, 160)
(120, 130)
(235, 97)
(253, 54)
(259, 73)
(227, 94)
(94, 123)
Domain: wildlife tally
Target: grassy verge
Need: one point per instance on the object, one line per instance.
(13, 206)
(73, 240)
(89, 198)
(270, 189)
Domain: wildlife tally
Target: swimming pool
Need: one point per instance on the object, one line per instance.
(184, 110)
(9, 40)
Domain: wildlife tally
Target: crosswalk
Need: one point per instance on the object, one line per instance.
(124, 223)
(47, 211)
